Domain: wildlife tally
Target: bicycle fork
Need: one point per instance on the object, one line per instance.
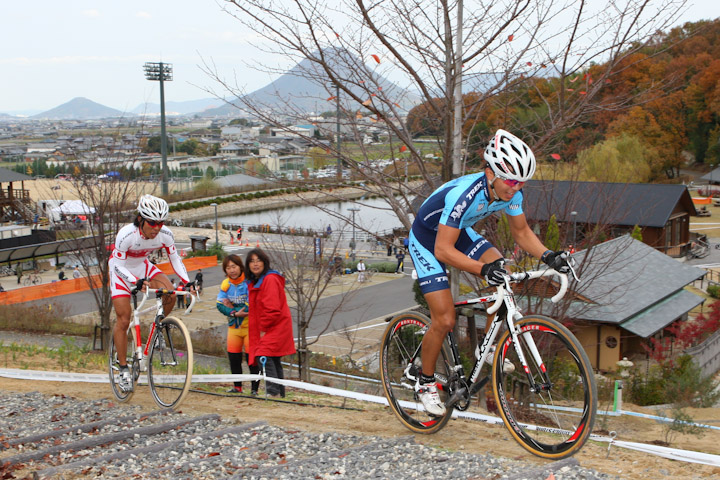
(529, 342)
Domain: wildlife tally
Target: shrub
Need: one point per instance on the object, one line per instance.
(714, 291)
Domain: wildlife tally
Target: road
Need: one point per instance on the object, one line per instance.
(367, 303)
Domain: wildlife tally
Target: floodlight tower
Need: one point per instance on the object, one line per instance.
(161, 72)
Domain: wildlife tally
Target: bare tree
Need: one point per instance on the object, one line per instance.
(438, 50)
(311, 276)
(108, 203)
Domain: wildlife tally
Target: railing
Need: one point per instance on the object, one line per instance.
(707, 354)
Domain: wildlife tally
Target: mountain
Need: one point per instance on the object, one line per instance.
(79, 108)
(182, 108)
(301, 88)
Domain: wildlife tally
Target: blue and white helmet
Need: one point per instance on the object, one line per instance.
(509, 157)
(153, 208)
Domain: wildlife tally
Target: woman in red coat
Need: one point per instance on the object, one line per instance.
(270, 323)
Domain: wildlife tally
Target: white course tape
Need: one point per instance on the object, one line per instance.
(671, 453)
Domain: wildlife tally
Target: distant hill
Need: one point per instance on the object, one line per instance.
(183, 108)
(294, 87)
(79, 108)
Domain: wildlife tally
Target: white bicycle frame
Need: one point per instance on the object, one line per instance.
(513, 314)
(138, 311)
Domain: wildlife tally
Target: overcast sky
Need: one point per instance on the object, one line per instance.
(53, 51)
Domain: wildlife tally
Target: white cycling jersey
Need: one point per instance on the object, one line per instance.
(129, 257)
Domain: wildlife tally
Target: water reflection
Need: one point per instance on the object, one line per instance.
(373, 215)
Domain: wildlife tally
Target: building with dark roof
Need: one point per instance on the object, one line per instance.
(661, 211)
(628, 293)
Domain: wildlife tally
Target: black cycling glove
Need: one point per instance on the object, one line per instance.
(494, 272)
(558, 261)
(139, 283)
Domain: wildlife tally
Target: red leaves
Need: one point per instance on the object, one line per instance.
(510, 37)
(555, 156)
(375, 57)
(330, 99)
(403, 148)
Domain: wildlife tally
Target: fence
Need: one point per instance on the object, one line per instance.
(707, 354)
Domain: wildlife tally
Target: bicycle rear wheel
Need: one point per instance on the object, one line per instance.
(170, 363)
(114, 365)
(400, 366)
(553, 417)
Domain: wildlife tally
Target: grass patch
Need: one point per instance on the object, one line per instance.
(47, 319)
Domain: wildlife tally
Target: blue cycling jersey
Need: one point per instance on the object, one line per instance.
(460, 204)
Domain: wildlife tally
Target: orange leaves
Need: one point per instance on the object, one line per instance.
(403, 148)
(375, 57)
(330, 99)
(555, 156)
(367, 102)
(510, 37)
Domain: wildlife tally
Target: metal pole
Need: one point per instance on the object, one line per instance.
(163, 136)
(216, 224)
(337, 126)
(573, 214)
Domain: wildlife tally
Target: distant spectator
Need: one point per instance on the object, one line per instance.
(328, 231)
(181, 298)
(232, 301)
(76, 272)
(239, 233)
(400, 261)
(19, 271)
(361, 271)
(271, 332)
(61, 275)
(199, 280)
(2, 289)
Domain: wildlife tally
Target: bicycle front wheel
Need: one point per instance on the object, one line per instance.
(114, 365)
(170, 363)
(400, 366)
(550, 409)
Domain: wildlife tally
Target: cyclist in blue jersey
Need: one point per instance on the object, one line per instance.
(442, 234)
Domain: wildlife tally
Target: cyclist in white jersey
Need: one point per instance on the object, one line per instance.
(129, 265)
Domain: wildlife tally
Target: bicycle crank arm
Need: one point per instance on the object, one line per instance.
(459, 395)
(478, 385)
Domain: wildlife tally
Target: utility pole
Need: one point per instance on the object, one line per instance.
(161, 72)
(337, 130)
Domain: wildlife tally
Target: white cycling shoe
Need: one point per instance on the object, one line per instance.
(428, 395)
(125, 380)
(508, 367)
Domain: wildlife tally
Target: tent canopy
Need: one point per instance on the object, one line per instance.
(74, 207)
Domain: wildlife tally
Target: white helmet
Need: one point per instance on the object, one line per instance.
(509, 157)
(153, 208)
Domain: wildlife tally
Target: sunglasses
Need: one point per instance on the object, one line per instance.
(512, 183)
(153, 223)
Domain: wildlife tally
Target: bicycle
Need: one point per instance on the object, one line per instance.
(547, 402)
(167, 357)
(32, 279)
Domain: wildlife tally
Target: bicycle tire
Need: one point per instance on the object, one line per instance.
(170, 363)
(36, 280)
(565, 412)
(114, 365)
(26, 282)
(400, 345)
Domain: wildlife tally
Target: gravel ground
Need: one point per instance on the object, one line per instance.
(61, 437)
